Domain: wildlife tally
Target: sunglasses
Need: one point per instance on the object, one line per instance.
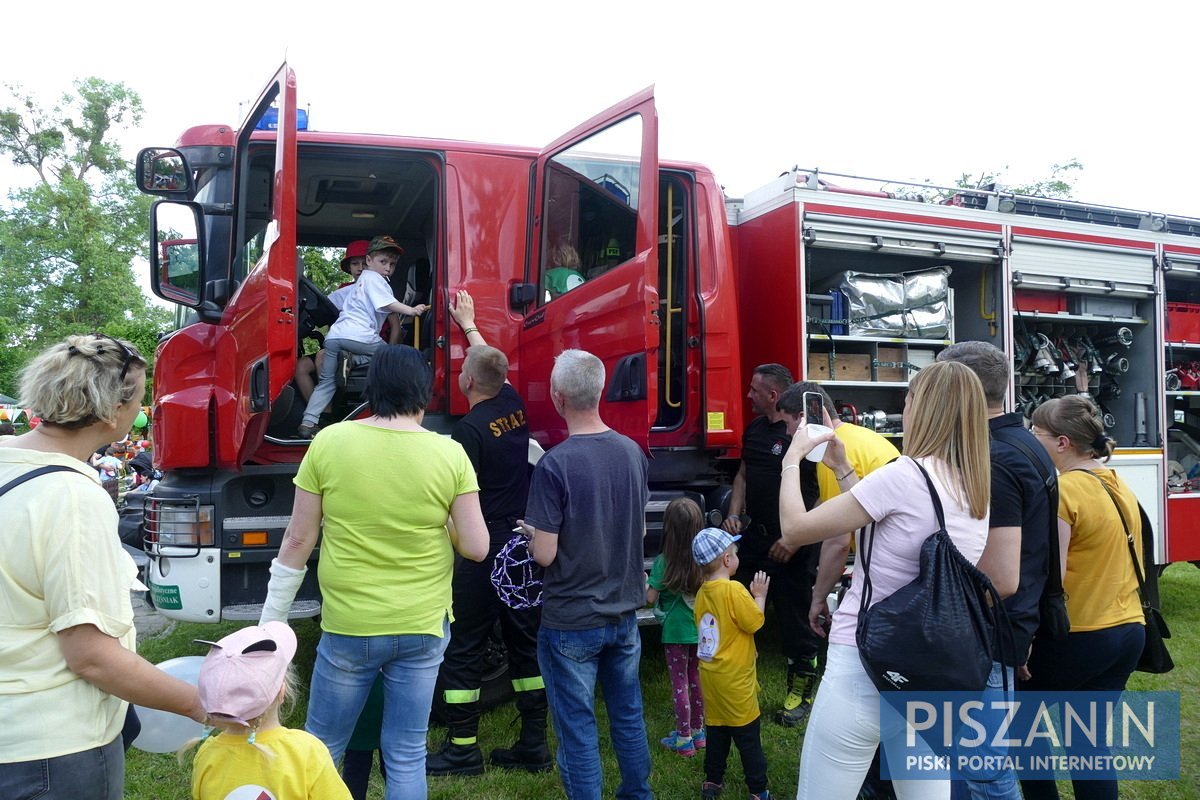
(129, 354)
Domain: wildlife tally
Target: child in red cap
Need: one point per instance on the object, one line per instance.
(244, 680)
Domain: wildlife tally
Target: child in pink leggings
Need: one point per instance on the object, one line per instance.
(674, 580)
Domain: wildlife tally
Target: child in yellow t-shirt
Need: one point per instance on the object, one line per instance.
(727, 616)
(243, 681)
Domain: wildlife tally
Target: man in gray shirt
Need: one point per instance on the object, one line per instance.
(586, 517)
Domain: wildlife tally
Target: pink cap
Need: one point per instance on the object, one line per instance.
(242, 674)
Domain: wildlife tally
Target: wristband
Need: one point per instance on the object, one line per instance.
(469, 331)
(849, 472)
(789, 466)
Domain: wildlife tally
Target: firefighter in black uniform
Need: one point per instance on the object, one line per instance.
(495, 435)
(754, 513)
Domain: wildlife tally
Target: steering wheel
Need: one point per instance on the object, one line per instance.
(316, 310)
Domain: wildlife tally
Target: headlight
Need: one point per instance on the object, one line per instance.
(178, 523)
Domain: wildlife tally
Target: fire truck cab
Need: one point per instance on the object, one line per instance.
(594, 242)
(495, 220)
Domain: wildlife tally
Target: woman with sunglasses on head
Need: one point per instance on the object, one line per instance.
(1107, 622)
(68, 667)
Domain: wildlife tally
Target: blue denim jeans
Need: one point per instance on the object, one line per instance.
(96, 774)
(345, 668)
(998, 784)
(326, 388)
(571, 662)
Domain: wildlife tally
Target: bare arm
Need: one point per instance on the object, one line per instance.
(468, 531)
(737, 503)
(403, 308)
(545, 546)
(1001, 559)
(101, 661)
(835, 516)
(302, 531)
(651, 596)
(463, 312)
(830, 519)
(1064, 542)
(829, 570)
(289, 567)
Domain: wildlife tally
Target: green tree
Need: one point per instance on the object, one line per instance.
(68, 239)
(1059, 184)
(323, 266)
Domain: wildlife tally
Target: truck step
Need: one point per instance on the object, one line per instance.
(301, 609)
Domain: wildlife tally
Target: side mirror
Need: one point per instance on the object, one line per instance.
(177, 257)
(164, 171)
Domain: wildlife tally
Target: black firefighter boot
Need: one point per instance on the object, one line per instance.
(461, 754)
(801, 683)
(530, 753)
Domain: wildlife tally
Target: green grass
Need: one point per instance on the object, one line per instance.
(159, 777)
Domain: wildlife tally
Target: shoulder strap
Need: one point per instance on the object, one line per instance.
(867, 544)
(1137, 570)
(28, 476)
(933, 494)
(1050, 481)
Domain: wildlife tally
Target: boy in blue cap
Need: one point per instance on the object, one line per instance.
(727, 616)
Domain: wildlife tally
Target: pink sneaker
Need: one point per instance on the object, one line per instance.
(682, 745)
(699, 739)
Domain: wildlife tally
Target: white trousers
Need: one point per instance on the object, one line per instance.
(843, 732)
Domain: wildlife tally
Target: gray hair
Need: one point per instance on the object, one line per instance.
(79, 381)
(579, 377)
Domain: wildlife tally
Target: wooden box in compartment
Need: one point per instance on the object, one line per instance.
(851, 367)
(888, 361)
(818, 367)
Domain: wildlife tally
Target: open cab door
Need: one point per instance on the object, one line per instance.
(594, 267)
(257, 353)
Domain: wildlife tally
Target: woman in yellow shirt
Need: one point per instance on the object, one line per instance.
(1107, 624)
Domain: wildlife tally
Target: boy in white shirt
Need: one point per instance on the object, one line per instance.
(366, 305)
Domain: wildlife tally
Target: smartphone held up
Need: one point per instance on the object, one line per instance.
(814, 419)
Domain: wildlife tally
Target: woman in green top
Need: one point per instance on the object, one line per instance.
(674, 580)
(381, 493)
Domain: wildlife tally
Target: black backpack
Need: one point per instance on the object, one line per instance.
(940, 631)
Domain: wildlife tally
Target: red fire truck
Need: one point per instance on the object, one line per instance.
(678, 289)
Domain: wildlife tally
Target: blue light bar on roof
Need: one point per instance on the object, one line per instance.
(270, 120)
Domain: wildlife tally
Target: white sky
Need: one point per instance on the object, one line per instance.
(899, 90)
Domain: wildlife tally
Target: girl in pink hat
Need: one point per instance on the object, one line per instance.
(244, 681)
